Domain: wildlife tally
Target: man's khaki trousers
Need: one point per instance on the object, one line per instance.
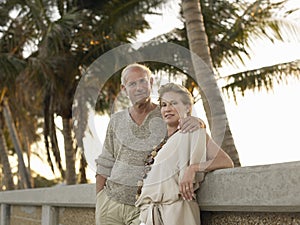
(109, 212)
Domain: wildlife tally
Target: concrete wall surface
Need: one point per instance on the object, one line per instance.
(267, 188)
(33, 215)
(249, 218)
(268, 194)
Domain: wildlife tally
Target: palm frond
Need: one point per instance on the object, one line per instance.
(10, 67)
(257, 79)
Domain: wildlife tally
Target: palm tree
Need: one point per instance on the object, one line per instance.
(10, 121)
(17, 102)
(211, 97)
(8, 177)
(14, 135)
(66, 37)
(10, 67)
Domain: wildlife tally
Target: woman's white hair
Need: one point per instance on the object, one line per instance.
(186, 96)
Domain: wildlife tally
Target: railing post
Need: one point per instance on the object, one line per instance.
(5, 214)
(49, 215)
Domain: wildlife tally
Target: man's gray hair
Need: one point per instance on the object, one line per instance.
(134, 66)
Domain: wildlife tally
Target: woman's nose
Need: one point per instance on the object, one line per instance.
(168, 107)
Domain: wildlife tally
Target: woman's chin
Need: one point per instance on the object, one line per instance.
(171, 123)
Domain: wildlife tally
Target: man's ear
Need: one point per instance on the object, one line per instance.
(151, 81)
(123, 89)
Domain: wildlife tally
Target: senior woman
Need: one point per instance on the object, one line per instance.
(167, 193)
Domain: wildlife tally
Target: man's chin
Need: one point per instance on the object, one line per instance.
(142, 101)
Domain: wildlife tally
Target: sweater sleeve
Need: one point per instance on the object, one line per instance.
(106, 159)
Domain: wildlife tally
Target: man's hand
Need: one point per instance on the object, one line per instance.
(190, 124)
(100, 183)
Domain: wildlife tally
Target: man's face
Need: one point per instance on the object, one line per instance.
(137, 85)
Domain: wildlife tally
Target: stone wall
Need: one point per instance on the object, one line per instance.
(32, 215)
(265, 195)
(250, 218)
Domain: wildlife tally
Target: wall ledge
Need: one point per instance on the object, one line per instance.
(81, 195)
(266, 188)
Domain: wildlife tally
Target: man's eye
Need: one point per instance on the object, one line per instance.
(143, 81)
(132, 84)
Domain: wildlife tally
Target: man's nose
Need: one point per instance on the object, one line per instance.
(139, 85)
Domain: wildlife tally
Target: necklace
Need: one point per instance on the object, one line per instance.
(149, 161)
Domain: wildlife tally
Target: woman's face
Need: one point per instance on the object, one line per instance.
(172, 108)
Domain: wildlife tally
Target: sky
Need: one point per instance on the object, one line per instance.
(265, 125)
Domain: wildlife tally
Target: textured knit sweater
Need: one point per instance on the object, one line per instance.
(125, 148)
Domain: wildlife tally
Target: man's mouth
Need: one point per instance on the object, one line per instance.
(140, 94)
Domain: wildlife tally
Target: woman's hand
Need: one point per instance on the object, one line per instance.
(186, 184)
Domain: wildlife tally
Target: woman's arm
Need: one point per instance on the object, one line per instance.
(216, 158)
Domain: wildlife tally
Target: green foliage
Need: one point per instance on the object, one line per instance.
(40, 181)
(51, 43)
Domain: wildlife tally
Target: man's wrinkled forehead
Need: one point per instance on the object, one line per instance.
(134, 71)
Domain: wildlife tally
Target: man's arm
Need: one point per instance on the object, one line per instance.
(105, 160)
(190, 124)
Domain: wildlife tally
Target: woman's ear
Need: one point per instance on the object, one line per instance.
(188, 109)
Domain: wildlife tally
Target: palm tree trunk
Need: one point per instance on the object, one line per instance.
(82, 169)
(8, 178)
(28, 152)
(210, 92)
(14, 136)
(69, 151)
